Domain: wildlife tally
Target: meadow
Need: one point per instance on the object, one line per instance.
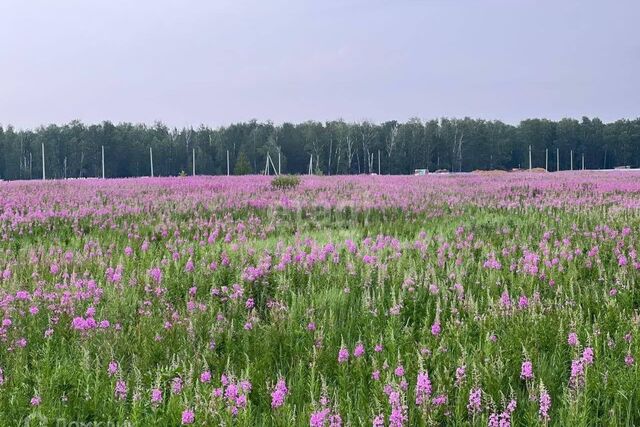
(472, 299)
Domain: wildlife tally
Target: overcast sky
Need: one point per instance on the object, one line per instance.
(218, 62)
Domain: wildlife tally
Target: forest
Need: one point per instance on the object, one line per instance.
(74, 150)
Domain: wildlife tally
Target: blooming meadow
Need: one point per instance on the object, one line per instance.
(386, 301)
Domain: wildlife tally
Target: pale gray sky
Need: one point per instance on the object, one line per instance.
(217, 62)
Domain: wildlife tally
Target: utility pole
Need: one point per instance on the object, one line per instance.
(546, 159)
(227, 162)
(571, 159)
(270, 160)
(529, 157)
(193, 161)
(44, 175)
(102, 163)
(557, 159)
(151, 159)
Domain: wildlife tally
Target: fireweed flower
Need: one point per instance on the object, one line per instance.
(176, 385)
(423, 388)
(526, 371)
(359, 350)
(35, 400)
(545, 404)
(436, 329)
(120, 390)
(112, 369)
(318, 418)
(279, 393)
(335, 420)
(155, 274)
(156, 396)
(440, 400)
(343, 355)
(503, 419)
(628, 359)
(474, 405)
(205, 377)
(188, 417)
(523, 303)
(577, 373)
(398, 415)
(505, 300)
(378, 421)
(460, 375)
(587, 356)
(572, 339)
(399, 371)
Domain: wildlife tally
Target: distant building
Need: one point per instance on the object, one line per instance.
(420, 172)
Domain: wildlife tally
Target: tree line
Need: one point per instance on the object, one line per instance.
(337, 147)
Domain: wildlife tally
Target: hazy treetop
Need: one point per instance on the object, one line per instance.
(217, 62)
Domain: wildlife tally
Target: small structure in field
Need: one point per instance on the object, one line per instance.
(420, 172)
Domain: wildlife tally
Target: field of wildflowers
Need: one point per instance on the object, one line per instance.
(401, 301)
